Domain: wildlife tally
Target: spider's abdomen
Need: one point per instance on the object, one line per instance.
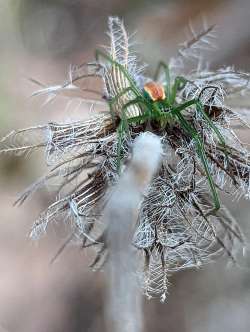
(155, 91)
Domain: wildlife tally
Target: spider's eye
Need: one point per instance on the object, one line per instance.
(155, 91)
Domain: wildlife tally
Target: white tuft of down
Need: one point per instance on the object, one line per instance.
(124, 309)
(147, 154)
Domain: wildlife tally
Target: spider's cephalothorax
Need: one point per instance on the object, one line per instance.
(154, 91)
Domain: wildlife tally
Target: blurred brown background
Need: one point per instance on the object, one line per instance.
(40, 39)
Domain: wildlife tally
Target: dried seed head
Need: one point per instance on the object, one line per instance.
(175, 226)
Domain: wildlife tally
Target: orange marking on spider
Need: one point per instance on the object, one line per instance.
(155, 91)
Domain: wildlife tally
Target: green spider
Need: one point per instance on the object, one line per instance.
(158, 103)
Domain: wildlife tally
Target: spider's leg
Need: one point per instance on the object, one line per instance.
(179, 84)
(199, 108)
(164, 66)
(116, 98)
(214, 87)
(183, 106)
(117, 84)
(148, 112)
(99, 54)
(202, 155)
